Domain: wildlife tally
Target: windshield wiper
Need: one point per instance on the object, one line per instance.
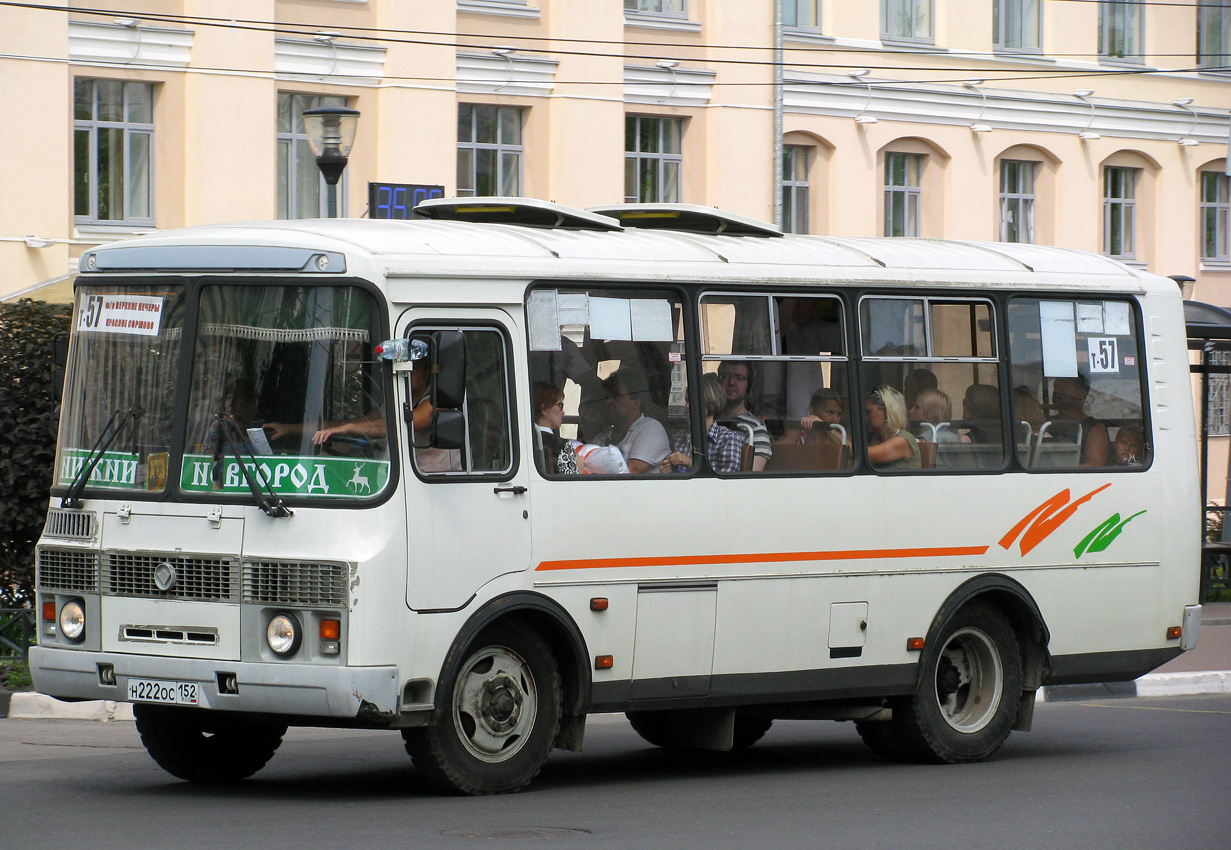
(72, 499)
(271, 503)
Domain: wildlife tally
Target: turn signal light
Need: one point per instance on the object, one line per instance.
(914, 644)
(331, 629)
(1174, 632)
(598, 603)
(603, 662)
(49, 610)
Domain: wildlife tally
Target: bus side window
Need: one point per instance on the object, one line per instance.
(1079, 398)
(940, 356)
(609, 383)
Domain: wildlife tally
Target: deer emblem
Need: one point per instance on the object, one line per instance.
(359, 482)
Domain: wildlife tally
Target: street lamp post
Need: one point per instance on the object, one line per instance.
(331, 132)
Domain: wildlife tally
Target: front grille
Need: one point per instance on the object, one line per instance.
(75, 525)
(295, 583)
(197, 578)
(67, 569)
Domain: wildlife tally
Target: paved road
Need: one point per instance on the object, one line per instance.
(1123, 774)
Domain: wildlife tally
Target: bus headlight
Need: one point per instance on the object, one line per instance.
(72, 620)
(284, 634)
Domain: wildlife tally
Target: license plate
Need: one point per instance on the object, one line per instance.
(170, 693)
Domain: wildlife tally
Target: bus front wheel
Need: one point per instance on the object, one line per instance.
(206, 746)
(970, 692)
(500, 717)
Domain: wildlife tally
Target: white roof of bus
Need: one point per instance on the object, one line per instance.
(405, 248)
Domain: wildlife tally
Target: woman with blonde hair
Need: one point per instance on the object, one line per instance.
(890, 444)
(933, 408)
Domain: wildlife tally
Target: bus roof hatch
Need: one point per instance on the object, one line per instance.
(692, 218)
(525, 211)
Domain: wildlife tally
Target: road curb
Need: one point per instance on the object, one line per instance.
(28, 705)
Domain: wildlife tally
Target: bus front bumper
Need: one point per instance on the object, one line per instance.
(305, 690)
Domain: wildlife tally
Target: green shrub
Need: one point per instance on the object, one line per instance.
(29, 416)
(15, 675)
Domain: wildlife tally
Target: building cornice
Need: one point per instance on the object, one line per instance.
(668, 86)
(129, 42)
(511, 74)
(325, 58)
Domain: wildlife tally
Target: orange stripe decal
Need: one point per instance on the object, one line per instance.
(765, 558)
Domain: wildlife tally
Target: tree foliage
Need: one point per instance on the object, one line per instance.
(29, 416)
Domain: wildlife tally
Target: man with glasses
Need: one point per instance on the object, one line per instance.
(643, 441)
(739, 383)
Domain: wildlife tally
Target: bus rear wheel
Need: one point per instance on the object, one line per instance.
(206, 746)
(500, 717)
(971, 691)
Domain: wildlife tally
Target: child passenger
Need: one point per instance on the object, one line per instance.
(824, 410)
(1129, 446)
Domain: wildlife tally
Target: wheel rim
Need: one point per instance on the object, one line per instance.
(969, 680)
(495, 703)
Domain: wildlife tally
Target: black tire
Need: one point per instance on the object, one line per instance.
(659, 728)
(497, 717)
(206, 746)
(884, 738)
(970, 692)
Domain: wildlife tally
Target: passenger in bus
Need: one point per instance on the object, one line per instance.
(890, 444)
(723, 447)
(1129, 446)
(981, 414)
(643, 441)
(916, 382)
(933, 411)
(1026, 408)
(739, 384)
(825, 410)
(555, 454)
(1068, 397)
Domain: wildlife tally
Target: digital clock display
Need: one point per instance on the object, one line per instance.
(398, 200)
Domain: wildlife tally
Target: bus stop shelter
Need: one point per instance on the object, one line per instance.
(1209, 332)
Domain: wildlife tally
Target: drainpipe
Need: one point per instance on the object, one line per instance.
(778, 81)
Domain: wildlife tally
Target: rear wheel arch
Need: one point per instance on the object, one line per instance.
(1012, 600)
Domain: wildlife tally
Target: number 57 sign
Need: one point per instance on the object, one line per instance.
(1103, 354)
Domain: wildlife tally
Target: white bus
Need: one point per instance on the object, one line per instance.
(361, 474)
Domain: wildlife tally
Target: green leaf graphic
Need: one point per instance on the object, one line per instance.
(1104, 534)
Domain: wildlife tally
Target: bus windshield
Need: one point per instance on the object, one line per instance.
(283, 384)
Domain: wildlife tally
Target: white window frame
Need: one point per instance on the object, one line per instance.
(295, 160)
(1213, 35)
(1121, 21)
(796, 191)
(1017, 25)
(914, 20)
(136, 178)
(1018, 179)
(908, 193)
(1218, 410)
(801, 14)
(662, 161)
(1120, 211)
(664, 8)
(508, 154)
(1215, 217)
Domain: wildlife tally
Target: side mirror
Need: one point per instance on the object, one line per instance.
(59, 359)
(448, 369)
(447, 429)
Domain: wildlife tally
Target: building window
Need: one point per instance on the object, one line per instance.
(1120, 26)
(674, 8)
(1119, 211)
(301, 189)
(906, 19)
(795, 194)
(489, 150)
(1215, 211)
(902, 173)
(801, 13)
(1016, 24)
(113, 148)
(1214, 34)
(652, 160)
(1017, 201)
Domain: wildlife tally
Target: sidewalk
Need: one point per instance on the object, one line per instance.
(1204, 670)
